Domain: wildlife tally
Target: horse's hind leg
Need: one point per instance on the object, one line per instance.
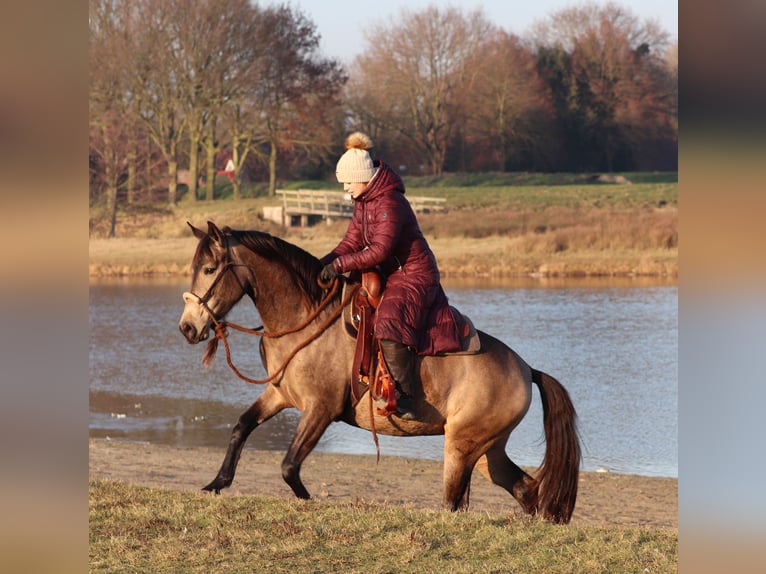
(267, 405)
(502, 471)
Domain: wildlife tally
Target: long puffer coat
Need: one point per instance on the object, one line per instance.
(384, 233)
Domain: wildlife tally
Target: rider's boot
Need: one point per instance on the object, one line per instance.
(400, 362)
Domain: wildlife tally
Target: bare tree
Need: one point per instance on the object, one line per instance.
(409, 81)
(156, 80)
(603, 65)
(113, 130)
(211, 40)
(188, 69)
(510, 112)
(238, 128)
(295, 88)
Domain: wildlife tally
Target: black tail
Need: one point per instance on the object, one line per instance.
(558, 474)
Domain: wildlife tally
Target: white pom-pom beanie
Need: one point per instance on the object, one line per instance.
(355, 166)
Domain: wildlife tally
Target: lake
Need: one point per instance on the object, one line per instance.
(613, 343)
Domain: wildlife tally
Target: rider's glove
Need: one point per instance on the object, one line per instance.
(328, 273)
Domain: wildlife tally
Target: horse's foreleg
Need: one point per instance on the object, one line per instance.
(310, 429)
(267, 405)
(502, 471)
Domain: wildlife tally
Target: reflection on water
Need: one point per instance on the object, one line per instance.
(185, 422)
(612, 343)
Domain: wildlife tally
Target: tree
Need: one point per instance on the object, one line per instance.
(295, 91)
(604, 68)
(670, 82)
(212, 39)
(113, 130)
(156, 74)
(408, 83)
(189, 71)
(510, 114)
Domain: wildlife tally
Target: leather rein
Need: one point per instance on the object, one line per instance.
(221, 326)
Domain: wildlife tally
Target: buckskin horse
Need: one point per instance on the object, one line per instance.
(474, 400)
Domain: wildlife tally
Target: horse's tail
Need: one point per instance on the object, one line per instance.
(557, 477)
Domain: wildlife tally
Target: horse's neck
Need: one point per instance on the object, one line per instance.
(280, 303)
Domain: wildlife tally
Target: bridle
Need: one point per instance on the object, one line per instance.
(203, 300)
(221, 327)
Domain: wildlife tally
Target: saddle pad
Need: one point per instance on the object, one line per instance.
(469, 340)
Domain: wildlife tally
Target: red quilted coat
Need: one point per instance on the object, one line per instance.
(384, 233)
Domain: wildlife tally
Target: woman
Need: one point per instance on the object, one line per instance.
(414, 315)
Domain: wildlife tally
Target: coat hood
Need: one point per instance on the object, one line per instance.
(385, 180)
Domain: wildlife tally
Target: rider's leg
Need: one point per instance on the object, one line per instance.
(400, 361)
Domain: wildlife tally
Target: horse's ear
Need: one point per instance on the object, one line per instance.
(214, 233)
(198, 233)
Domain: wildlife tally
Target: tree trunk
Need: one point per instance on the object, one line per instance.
(110, 179)
(112, 194)
(193, 167)
(235, 182)
(273, 170)
(437, 161)
(172, 182)
(210, 149)
(132, 183)
(111, 198)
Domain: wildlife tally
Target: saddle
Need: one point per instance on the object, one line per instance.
(359, 324)
(369, 371)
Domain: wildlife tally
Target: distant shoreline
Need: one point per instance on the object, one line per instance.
(457, 258)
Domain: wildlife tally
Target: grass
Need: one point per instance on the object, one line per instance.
(138, 529)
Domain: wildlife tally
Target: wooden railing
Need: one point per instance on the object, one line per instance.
(309, 205)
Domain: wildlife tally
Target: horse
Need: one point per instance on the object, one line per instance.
(474, 400)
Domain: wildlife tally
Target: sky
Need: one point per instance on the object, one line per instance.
(341, 23)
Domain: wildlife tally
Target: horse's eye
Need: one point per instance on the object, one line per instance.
(209, 270)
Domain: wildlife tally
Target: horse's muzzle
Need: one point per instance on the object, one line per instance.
(191, 333)
(195, 322)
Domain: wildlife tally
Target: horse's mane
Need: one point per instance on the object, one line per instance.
(303, 266)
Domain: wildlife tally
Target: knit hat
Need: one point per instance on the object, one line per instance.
(355, 166)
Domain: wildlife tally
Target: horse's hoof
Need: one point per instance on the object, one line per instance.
(215, 486)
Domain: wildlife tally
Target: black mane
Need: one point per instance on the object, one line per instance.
(303, 266)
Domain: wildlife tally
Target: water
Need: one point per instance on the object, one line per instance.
(612, 343)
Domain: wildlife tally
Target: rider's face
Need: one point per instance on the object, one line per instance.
(355, 190)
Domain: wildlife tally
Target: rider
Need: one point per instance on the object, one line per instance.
(413, 315)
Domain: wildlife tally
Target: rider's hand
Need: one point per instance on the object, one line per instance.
(328, 273)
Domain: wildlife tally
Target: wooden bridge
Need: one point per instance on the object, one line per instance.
(307, 206)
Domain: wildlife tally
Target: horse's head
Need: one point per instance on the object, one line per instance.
(215, 287)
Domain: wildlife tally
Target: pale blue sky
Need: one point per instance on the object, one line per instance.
(341, 22)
